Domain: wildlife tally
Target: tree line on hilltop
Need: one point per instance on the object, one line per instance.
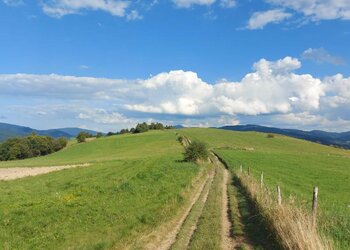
(141, 128)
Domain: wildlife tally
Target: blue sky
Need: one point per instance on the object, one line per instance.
(108, 64)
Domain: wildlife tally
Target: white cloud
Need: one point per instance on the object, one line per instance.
(338, 89)
(60, 8)
(228, 3)
(190, 3)
(321, 55)
(134, 15)
(260, 19)
(99, 115)
(84, 67)
(13, 2)
(318, 9)
(273, 88)
(311, 121)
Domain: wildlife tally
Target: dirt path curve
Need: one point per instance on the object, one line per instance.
(7, 174)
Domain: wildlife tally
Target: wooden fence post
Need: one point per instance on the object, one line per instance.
(241, 168)
(279, 196)
(314, 205)
(248, 170)
(262, 180)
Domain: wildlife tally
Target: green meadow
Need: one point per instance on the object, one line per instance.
(134, 184)
(297, 166)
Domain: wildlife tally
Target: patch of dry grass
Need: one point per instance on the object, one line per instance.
(292, 225)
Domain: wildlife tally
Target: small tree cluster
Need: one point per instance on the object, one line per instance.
(82, 136)
(270, 136)
(141, 128)
(30, 146)
(196, 151)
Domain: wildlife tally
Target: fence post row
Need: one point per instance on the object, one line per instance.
(314, 205)
(279, 196)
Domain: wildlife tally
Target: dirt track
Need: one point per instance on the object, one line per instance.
(7, 174)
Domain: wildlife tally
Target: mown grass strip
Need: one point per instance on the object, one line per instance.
(209, 229)
(184, 236)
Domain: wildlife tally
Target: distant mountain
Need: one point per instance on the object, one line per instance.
(178, 126)
(9, 130)
(327, 138)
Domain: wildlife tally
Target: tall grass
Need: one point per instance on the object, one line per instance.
(292, 225)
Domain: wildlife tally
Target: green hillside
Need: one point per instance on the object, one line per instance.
(296, 166)
(135, 183)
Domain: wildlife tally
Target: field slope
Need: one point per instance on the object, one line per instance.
(296, 166)
(134, 184)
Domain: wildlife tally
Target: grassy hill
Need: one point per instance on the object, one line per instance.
(135, 183)
(296, 165)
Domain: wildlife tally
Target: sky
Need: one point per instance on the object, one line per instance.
(109, 64)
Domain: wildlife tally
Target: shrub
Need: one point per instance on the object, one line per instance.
(195, 151)
(270, 136)
(82, 136)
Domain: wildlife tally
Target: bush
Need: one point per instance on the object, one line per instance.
(270, 136)
(82, 136)
(195, 151)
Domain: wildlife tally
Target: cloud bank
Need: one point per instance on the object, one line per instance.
(273, 89)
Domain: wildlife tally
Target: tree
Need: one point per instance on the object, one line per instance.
(82, 137)
(30, 146)
(99, 135)
(141, 127)
(195, 151)
(124, 131)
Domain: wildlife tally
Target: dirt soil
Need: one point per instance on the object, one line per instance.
(7, 174)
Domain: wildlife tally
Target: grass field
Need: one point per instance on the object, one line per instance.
(135, 183)
(296, 166)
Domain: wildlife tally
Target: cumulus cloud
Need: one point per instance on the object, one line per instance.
(272, 88)
(317, 9)
(321, 55)
(60, 8)
(260, 19)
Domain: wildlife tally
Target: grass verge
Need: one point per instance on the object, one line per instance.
(292, 226)
(184, 236)
(209, 229)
